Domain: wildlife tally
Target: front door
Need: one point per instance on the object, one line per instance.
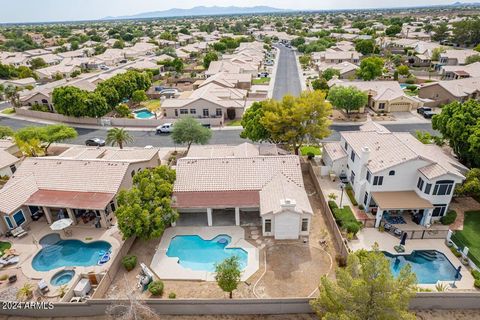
(9, 222)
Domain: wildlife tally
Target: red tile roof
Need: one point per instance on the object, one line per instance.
(70, 199)
(213, 199)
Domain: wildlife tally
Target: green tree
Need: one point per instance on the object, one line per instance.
(365, 47)
(145, 209)
(329, 73)
(370, 68)
(6, 132)
(139, 96)
(119, 44)
(436, 53)
(298, 120)
(366, 290)
(393, 30)
(459, 123)
(118, 136)
(37, 63)
(46, 135)
(403, 70)
(123, 110)
(320, 84)
(253, 129)
(209, 57)
(220, 46)
(228, 274)
(188, 131)
(347, 99)
(305, 60)
(471, 185)
(11, 93)
(440, 32)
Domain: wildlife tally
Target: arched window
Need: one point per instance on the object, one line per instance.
(391, 173)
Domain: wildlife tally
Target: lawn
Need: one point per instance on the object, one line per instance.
(151, 104)
(313, 149)
(234, 123)
(4, 246)
(265, 80)
(8, 111)
(470, 235)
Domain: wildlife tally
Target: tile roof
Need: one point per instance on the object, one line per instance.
(107, 153)
(334, 150)
(14, 194)
(6, 159)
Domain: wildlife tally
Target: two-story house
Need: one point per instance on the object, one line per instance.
(393, 172)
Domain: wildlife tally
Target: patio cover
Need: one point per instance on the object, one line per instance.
(398, 200)
(216, 199)
(70, 199)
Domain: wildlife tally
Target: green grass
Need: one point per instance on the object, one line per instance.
(151, 103)
(8, 111)
(234, 123)
(470, 235)
(313, 149)
(4, 246)
(265, 80)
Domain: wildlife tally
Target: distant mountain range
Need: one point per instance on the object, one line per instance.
(201, 11)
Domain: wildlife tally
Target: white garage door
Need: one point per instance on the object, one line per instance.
(286, 225)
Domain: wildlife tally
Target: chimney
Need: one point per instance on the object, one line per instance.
(365, 154)
(288, 203)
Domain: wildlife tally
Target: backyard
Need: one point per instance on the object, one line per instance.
(265, 80)
(470, 235)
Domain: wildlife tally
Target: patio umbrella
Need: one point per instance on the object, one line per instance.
(404, 239)
(61, 224)
(457, 275)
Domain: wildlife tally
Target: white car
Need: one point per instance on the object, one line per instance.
(164, 128)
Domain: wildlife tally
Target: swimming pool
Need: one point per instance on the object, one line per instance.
(57, 253)
(143, 114)
(62, 277)
(430, 266)
(196, 253)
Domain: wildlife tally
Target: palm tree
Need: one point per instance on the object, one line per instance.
(118, 136)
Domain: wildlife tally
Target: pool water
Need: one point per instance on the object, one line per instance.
(143, 114)
(62, 277)
(198, 254)
(430, 266)
(68, 253)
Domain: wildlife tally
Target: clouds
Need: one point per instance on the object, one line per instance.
(66, 10)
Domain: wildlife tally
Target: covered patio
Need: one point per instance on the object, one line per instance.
(401, 207)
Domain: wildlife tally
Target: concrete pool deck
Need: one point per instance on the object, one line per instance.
(168, 267)
(367, 237)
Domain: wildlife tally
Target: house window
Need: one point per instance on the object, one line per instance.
(13, 168)
(304, 225)
(268, 225)
(377, 180)
(352, 177)
(205, 113)
(420, 184)
(439, 210)
(381, 106)
(443, 188)
(176, 112)
(369, 176)
(428, 187)
(9, 222)
(132, 173)
(346, 146)
(352, 156)
(391, 173)
(365, 199)
(19, 218)
(218, 112)
(193, 111)
(183, 111)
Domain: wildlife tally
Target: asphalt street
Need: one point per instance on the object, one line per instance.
(287, 79)
(225, 136)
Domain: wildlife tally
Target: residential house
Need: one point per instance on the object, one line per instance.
(447, 91)
(82, 184)
(392, 172)
(456, 57)
(228, 80)
(19, 83)
(9, 161)
(458, 72)
(243, 186)
(346, 69)
(335, 57)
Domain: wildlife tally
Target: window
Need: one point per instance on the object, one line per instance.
(304, 225)
(218, 112)
(428, 187)
(183, 111)
(443, 188)
(346, 146)
(365, 199)
(206, 113)
(19, 218)
(9, 222)
(132, 173)
(352, 156)
(176, 112)
(13, 168)
(420, 184)
(381, 106)
(268, 225)
(391, 173)
(193, 111)
(377, 180)
(352, 178)
(369, 176)
(439, 210)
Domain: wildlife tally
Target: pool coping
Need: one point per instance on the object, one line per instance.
(168, 268)
(140, 109)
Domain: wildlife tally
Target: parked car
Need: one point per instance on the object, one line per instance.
(95, 142)
(123, 61)
(428, 114)
(263, 74)
(159, 88)
(422, 110)
(288, 45)
(104, 67)
(164, 128)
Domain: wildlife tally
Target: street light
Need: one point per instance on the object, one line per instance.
(342, 186)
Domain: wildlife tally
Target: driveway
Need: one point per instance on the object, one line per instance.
(287, 80)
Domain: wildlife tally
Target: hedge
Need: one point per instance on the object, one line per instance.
(346, 219)
(449, 218)
(332, 204)
(351, 195)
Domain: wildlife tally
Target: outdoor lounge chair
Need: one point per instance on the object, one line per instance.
(19, 232)
(43, 287)
(4, 262)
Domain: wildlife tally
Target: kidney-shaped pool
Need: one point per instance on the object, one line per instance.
(57, 253)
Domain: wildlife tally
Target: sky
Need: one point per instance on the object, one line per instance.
(70, 10)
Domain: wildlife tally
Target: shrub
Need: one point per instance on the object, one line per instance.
(123, 110)
(39, 107)
(332, 204)
(352, 227)
(156, 288)
(129, 262)
(410, 80)
(3, 277)
(172, 295)
(455, 252)
(412, 88)
(476, 274)
(351, 195)
(310, 155)
(449, 218)
(361, 207)
(476, 283)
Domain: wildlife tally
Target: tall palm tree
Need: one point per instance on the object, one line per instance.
(118, 136)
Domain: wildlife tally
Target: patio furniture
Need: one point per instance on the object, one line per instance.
(10, 261)
(19, 232)
(397, 232)
(399, 248)
(43, 287)
(387, 226)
